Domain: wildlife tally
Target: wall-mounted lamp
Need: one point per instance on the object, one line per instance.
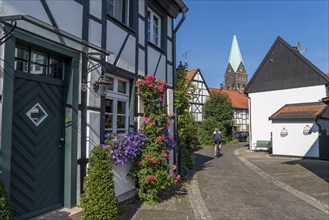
(284, 132)
(102, 85)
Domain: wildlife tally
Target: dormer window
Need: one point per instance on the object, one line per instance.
(153, 28)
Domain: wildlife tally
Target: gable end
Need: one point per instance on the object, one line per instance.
(285, 68)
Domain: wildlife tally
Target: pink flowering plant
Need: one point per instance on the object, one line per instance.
(151, 169)
(152, 92)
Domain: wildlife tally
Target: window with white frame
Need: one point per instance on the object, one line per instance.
(153, 28)
(121, 10)
(117, 106)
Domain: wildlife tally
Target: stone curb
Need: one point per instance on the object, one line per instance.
(309, 199)
(197, 203)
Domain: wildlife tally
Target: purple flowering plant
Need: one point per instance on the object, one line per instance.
(124, 147)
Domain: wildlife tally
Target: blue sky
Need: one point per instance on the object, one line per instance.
(206, 34)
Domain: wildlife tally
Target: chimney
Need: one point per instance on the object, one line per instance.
(221, 86)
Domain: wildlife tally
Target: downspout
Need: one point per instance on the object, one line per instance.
(180, 156)
(318, 124)
(249, 112)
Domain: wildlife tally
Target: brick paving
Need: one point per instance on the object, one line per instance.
(232, 190)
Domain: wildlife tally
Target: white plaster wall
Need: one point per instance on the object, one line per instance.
(115, 38)
(122, 182)
(169, 21)
(93, 99)
(264, 104)
(127, 58)
(295, 143)
(153, 57)
(93, 130)
(162, 69)
(170, 75)
(95, 8)
(169, 51)
(68, 16)
(141, 32)
(141, 62)
(95, 32)
(23, 7)
(78, 157)
(141, 7)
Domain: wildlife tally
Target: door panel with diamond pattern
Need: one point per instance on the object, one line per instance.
(36, 164)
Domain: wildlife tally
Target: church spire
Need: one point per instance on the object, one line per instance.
(235, 57)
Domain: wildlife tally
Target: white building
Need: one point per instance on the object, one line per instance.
(54, 59)
(284, 77)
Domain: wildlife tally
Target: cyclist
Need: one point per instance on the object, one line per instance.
(217, 137)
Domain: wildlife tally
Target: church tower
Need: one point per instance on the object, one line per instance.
(236, 76)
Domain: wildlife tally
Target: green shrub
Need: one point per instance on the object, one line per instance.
(98, 200)
(5, 212)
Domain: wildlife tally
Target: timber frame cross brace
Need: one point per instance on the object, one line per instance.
(9, 34)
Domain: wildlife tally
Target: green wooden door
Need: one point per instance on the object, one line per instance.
(36, 184)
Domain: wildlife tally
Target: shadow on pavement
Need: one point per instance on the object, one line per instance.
(128, 209)
(200, 161)
(318, 167)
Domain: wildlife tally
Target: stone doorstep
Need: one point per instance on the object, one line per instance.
(59, 214)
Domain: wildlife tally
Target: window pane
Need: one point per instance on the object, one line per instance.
(118, 10)
(38, 58)
(111, 83)
(21, 53)
(55, 68)
(148, 26)
(110, 7)
(121, 107)
(21, 66)
(108, 121)
(121, 122)
(155, 21)
(38, 69)
(109, 106)
(122, 86)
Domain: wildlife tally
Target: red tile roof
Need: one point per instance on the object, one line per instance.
(299, 111)
(190, 74)
(238, 99)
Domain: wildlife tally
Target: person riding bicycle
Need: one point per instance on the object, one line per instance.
(217, 137)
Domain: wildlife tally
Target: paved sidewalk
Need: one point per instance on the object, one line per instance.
(233, 190)
(306, 178)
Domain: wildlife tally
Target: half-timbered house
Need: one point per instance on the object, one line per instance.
(199, 93)
(67, 74)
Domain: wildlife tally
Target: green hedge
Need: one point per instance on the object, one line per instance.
(98, 200)
(5, 212)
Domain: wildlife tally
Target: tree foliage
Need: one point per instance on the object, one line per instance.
(98, 200)
(217, 114)
(187, 128)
